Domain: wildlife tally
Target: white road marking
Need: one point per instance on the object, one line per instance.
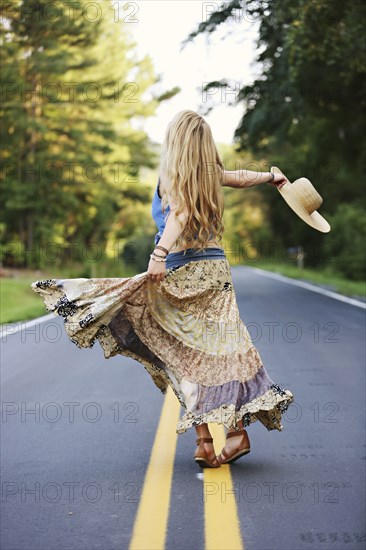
(309, 286)
(12, 328)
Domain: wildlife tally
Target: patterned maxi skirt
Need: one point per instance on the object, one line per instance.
(185, 330)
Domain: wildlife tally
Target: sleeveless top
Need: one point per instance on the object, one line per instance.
(159, 216)
(175, 259)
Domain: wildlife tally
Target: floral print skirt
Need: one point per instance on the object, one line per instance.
(185, 330)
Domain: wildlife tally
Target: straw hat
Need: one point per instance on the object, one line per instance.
(304, 199)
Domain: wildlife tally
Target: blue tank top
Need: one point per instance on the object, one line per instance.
(160, 217)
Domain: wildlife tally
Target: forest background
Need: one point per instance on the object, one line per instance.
(78, 171)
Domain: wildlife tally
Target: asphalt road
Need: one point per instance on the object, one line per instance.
(78, 430)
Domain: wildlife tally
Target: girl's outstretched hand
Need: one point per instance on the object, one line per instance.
(278, 181)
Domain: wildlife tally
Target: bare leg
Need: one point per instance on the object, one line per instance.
(203, 431)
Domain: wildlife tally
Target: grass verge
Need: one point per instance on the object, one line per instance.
(20, 303)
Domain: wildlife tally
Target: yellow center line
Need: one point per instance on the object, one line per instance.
(150, 528)
(222, 525)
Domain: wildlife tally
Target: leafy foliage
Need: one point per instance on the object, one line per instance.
(346, 249)
(304, 112)
(74, 96)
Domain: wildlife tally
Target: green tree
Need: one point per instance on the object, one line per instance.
(346, 249)
(246, 216)
(74, 96)
(304, 112)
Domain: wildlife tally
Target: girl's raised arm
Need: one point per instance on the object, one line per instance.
(249, 178)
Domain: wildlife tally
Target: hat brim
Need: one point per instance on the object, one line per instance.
(315, 220)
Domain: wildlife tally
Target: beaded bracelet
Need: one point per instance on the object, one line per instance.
(152, 257)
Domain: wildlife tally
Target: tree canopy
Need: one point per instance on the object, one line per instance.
(304, 112)
(74, 97)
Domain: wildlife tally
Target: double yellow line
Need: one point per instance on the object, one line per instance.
(222, 526)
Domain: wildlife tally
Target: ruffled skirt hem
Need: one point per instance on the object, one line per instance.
(187, 333)
(268, 408)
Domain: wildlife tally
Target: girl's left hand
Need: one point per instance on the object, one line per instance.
(156, 270)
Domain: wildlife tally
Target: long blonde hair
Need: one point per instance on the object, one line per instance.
(192, 172)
